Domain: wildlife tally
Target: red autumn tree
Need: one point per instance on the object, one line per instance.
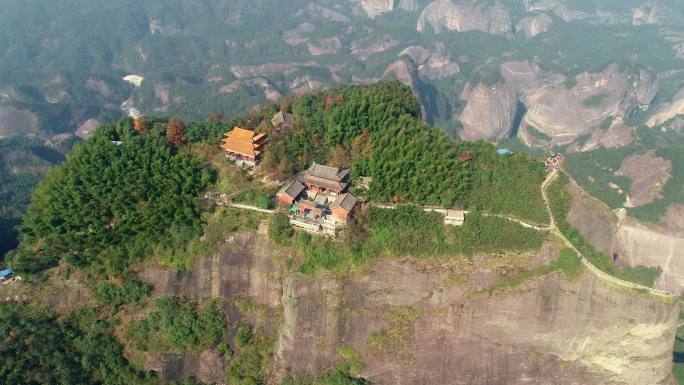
(175, 132)
(215, 117)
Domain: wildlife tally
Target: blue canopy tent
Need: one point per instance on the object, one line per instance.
(4, 274)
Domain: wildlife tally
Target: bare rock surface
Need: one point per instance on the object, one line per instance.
(464, 16)
(14, 121)
(618, 135)
(424, 322)
(316, 11)
(565, 114)
(296, 35)
(555, 114)
(668, 111)
(638, 244)
(270, 91)
(500, 104)
(325, 46)
(411, 327)
(243, 269)
(163, 93)
(432, 64)
(374, 8)
(269, 68)
(99, 86)
(532, 26)
(88, 127)
(649, 174)
(674, 218)
(365, 48)
(592, 218)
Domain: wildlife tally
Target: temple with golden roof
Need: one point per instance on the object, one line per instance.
(244, 146)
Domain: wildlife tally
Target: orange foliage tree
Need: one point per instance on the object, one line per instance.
(140, 125)
(175, 132)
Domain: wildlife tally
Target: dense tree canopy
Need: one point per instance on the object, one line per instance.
(379, 130)
(37, 348)
(117, 195)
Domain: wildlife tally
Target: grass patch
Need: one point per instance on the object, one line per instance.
(333, 378)
(179, 253)
(244, 305)
(568, 263)
(538, 135)
(595, 100)
(595, 172)
(409, 231)
(130, 292)
(400, 335)
(351, 360)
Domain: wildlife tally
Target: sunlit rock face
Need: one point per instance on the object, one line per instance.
(489, 113)
(437, 331)
(532, 26)
(464, 16)
(374, 8)
(550, 330)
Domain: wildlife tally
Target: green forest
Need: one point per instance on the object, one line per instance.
(117, 195)
(377, 130)
(131, 196)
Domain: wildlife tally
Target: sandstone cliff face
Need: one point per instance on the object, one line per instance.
(550, 330)
(559, 113)
(432, 64)
(564, 114)
(649, 174)
(17, 122)
(532, 26)
(244, 269)
(638, 244)
(592, 218)
(500, 102)
(420, 323)
(668, 111)
(463, 16)
(374, 8)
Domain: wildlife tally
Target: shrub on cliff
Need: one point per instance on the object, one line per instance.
(280, 230)
(178, 325)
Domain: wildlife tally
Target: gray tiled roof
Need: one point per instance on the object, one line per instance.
(345, 201)
(292, 188)
(327, 172)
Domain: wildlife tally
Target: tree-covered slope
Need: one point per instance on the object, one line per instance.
(115, 197)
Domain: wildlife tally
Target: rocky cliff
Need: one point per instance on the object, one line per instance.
(558, 112)
(463, 16)
(428, 322)
(633, 243)
(563, 113)
(532, 26)
(592, 218)
(244, 270)
(374, 8)
(638, 244)
(500, 102)
(435, 63)
(411, 327)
